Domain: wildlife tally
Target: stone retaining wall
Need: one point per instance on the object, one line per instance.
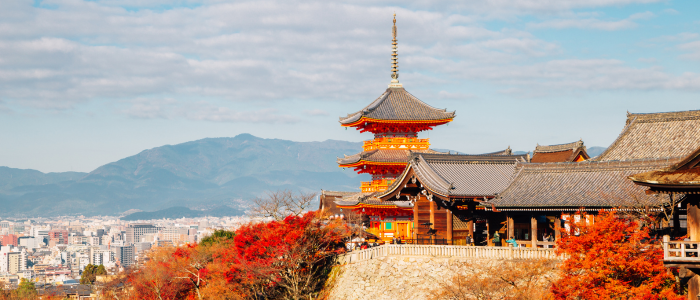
(395, 277)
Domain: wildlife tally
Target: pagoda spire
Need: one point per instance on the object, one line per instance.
(394, 59)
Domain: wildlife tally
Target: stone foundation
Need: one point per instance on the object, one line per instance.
(395, 277)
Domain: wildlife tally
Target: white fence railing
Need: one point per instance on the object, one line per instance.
(681, 250)
(449, 251)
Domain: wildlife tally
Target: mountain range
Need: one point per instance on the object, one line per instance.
(199, 175)
(211, 176)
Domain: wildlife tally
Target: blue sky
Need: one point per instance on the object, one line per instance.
(84, 83)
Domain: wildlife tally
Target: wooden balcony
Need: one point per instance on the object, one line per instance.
(376, 185)
(397, 143)
(681, 253)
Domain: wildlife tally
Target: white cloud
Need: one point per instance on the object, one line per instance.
(145, 108)
(692, 50)
(148, 108)
(455, 96)
(593, 23)
(204, 112)
(670, 11)
(263, 51)
(316, 112)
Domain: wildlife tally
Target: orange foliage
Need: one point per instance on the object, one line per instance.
(280, 259)
(612, 258)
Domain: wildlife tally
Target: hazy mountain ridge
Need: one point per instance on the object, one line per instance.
(197, 175)
(11, 177)
(183, 212)
(213, 171)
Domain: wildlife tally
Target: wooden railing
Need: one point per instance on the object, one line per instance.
(448, 251)
(376, 185)
(681, 251)
(396, 143)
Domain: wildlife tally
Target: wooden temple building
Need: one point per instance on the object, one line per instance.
(395, 119)
(424, 196)
(571, 152)
(682, 182)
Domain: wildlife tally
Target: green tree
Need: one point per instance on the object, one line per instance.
(217, 237)
(90, 273)
(26, 289)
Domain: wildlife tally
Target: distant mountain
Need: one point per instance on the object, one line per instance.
(595, 151)
(198, 175)
(183, 212)
(10, 177)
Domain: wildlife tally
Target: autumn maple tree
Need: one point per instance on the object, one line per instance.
(612, 258)
(280, 259)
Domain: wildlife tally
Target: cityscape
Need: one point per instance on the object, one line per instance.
(50, 251)
(230, 150)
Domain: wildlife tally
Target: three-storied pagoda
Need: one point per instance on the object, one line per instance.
(395, 119)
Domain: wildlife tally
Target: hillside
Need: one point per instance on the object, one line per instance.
(198, 175)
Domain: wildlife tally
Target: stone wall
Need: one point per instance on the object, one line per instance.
(396, 277)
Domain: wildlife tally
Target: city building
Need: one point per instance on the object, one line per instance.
(59, 235)
(124, 255)
(9, 239)
(135, 231)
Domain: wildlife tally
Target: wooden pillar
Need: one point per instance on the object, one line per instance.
(449, 226)
(511, 226)
(533, 230)
(693, 217)
(416, 225)
(694, 285)
(488, 230)
(557, 229)
(676, 217)
(433, 208)
(470, 224)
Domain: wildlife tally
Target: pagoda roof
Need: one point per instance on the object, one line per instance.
(656, 135)
(680, 176)
(396, 104)
(382, 156)
(577, 184)
(559, 153)
(459, 175)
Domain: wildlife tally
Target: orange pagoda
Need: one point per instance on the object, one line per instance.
(395, 119)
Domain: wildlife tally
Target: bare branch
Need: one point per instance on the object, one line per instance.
(280, 204)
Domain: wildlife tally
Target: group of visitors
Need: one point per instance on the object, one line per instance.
(513, 243)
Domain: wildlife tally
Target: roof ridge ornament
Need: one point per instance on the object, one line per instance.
(394, 59)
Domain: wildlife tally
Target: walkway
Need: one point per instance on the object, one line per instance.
(448, 251)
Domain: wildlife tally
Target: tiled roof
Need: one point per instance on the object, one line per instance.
(656, 135)
(370, 199)
(396, 104)
(337, 193)
(684, 173)
(589, 183)
(382, 155)
(461, 175)
(327, 200)
(559, 153)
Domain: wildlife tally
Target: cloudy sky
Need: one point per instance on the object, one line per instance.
(84, 83)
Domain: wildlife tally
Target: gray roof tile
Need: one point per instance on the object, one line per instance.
(398, 104)
(656, 135)
(589, 183)
(462, 175)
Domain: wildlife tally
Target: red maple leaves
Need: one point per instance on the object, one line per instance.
(277, 259)
(612, 258)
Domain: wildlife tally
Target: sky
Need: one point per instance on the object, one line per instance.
(85, 83)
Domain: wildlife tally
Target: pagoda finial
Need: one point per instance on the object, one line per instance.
(394, 59)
